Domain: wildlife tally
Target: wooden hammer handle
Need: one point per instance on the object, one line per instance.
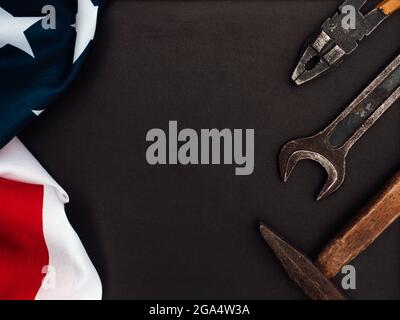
(372, 221)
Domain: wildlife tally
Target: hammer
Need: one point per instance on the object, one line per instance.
(314, 278)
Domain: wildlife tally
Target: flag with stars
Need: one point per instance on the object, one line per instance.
(42, 46)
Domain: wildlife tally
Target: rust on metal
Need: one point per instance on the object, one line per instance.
(335, 41)
(301, 269)
(364, 229)
(331, 146)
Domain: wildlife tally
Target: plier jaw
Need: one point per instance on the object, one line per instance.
(318, 58)
(338, 39)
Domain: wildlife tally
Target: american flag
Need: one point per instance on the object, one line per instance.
(42, 46)
(43, 43)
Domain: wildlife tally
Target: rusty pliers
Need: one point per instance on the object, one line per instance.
(339, 37)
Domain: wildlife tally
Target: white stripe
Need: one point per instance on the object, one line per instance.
(18, 164)
(71, 274)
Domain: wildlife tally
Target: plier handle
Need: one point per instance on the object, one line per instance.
(336, 40)
(389, 6)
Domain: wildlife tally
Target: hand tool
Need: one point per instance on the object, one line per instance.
(372, 221)
(300, 269)
(337, 39)
(331, 146)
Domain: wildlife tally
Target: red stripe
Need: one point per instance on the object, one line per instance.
(23, 250)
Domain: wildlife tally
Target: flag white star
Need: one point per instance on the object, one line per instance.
(37, 112)
(12, 31)
(85, 25)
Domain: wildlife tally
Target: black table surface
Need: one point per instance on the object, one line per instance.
(180, 232)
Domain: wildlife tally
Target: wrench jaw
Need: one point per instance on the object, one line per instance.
(332, 161)
(330, 146)
(333, 183)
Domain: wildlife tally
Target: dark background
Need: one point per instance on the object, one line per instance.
(171, 232)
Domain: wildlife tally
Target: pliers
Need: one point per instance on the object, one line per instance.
(338, 38)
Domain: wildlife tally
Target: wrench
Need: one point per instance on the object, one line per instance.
(330, 146)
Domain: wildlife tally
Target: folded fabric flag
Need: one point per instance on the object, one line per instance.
(41, 256)
(42, 46)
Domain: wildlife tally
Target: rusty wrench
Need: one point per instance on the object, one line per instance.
(331, 146)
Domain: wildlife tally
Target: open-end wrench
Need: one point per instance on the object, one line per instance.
(331, 146)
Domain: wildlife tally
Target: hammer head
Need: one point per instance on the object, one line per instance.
(300, 269)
